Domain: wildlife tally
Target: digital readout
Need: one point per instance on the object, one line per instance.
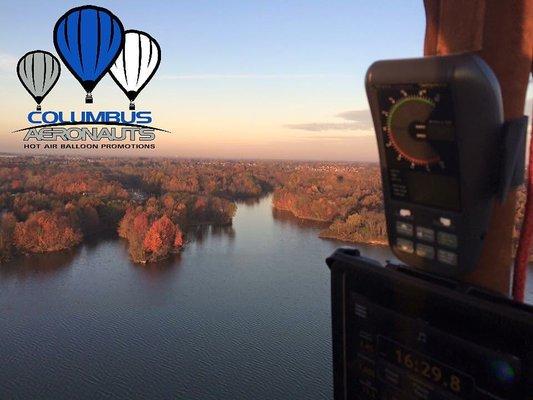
(425, 367)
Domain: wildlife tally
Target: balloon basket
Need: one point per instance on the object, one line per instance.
(89, 98)
(132, 105)
(38, 107)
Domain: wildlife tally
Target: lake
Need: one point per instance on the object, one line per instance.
(242, 313)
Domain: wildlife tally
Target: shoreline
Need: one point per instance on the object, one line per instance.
(326, 235)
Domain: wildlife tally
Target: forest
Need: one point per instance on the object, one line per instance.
(346, 196)
(55, 203)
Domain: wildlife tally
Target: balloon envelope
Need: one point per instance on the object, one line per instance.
(88, 39)
(137, 63)
(38, 71)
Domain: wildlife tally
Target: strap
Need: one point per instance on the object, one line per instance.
(513, 150)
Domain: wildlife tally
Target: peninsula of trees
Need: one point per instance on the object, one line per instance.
(54, 203)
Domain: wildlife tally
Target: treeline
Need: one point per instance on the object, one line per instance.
(55, 203)
(348, 196)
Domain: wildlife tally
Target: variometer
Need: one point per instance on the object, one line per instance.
(444, 156)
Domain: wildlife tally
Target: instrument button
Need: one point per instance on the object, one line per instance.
(403, 228)
(425, 234)
(446, 222)
(447, 239)
(405, 213)
(425, 251)
(404, 245)
(447, 257)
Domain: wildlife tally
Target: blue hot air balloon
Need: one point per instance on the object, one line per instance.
(88, 39)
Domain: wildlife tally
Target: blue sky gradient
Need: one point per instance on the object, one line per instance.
(237, 78)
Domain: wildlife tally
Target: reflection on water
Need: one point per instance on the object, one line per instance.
(250, 201)
(286, 217)
(159, 268)
(199, 233)
(42, 265)
(242, 313)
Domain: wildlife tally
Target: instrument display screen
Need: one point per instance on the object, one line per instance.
(394, 357)
(423, 367)
(419, 142)
(436, 190)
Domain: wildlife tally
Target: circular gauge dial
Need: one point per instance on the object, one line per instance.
(407, 129)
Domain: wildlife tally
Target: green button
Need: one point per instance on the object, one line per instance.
(403, 228)
(405, 245)
(425, 251)
(447, 239)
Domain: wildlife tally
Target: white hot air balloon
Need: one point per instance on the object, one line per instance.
(136, 64)
(38, 71)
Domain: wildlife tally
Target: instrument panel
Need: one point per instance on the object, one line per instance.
(400, 334)
(438, 123)
(415, 361)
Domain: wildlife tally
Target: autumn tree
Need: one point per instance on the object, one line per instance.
(45, 231)
(179, 239)
(162, 237)
(7, 229)
(136, 236)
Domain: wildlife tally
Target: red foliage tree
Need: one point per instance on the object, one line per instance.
(7, 229)
(45, 231)
(179, 240)
(160, 238)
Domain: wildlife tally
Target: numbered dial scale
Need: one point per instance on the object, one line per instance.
(419, 140)
(437, 135)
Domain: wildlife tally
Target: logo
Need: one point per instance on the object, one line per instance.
(91, 41)
(137, 64)
(38, 71)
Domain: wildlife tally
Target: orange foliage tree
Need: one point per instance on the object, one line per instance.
(45, 231)
(161, 238)
(7, 229)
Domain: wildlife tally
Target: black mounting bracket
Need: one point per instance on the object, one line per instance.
(512, 163)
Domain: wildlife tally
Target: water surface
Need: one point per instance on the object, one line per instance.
(242, 313)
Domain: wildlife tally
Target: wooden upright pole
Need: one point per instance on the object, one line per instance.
(500, 32)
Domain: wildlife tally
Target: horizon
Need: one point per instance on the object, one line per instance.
(179, 158)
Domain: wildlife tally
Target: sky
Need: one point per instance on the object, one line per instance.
(238, 79)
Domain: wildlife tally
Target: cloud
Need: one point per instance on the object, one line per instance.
(360, 120)
(8, 62)
(332, 137)
(325, 126)
(361, 116)
(250, 76)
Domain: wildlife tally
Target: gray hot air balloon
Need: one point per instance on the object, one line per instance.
(38, 71)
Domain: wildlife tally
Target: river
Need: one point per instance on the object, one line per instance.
(242, 313)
